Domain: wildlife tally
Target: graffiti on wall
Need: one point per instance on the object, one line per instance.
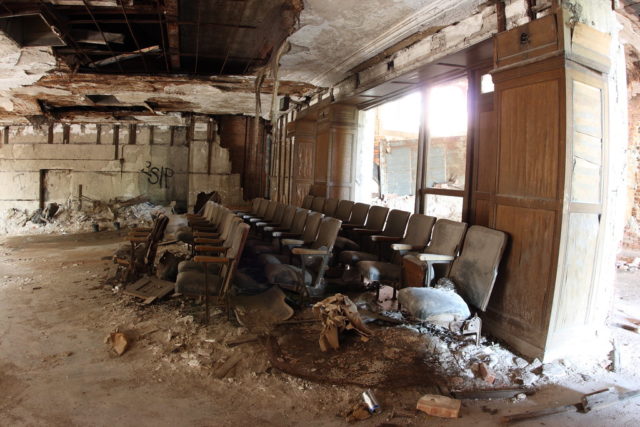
(157, 175)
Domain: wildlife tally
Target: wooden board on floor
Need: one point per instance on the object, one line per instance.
(149, 289)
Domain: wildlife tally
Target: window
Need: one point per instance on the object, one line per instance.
(390, 156)
(446, 149)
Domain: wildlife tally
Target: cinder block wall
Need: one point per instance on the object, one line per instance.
(151, 163)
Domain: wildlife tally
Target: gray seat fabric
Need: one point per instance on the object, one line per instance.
(266, 259)
(434, 304)
(285, 274)
(344, 244)
(353, 257)
(198, 266)
(378, 271)
(191, 282)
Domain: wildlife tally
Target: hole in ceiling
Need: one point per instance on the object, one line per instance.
(103, 99)
(30, 30)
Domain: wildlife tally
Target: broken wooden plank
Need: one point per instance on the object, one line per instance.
(149, 289)
(539, 413)
(125, 56)
(605, 398)
(243, 340)
(227, 366)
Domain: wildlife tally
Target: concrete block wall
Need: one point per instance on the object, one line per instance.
(150, 163)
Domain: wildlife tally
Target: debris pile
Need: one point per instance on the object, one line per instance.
(93, 215)
(626, 263)
(338, 313)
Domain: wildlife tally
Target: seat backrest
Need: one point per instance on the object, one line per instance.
(377, 216)
(277, 216)
(474, 272)
(228, 231)
(446, 237)
(418, 230)
(262, 208)
(343, 211)
(271, 210)
(217, 214)
(255, 203)
(396, 223)
(359, 213)
(156, 235)
(299, 220)
(327, 234)
(317, 204)
(287, 216)
(207, 209)
(235, 251)
(330, 206)
(306, 202)
(311, 226)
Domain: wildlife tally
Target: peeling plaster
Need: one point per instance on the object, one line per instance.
(336, 35)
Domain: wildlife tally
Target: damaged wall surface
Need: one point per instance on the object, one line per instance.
(164, 163)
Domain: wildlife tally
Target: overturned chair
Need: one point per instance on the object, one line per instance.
(470, 282)
(307, 278)
(141, 255)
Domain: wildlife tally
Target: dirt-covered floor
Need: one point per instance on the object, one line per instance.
(56, 369)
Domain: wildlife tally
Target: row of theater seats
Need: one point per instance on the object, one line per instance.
(293, 246)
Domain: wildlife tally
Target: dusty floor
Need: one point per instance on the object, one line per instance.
(55, 368)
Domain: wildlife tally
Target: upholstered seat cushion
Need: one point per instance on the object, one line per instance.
(353, 257)
(436, 305)
(263, 249)
(192, 283)
(285, 274)
(266, 259)
(198, 266)
(377, 271)
(344, 244)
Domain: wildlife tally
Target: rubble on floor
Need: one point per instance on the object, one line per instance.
(70, 218)
(628, 263)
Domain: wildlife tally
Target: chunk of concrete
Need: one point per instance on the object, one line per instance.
(439, 406)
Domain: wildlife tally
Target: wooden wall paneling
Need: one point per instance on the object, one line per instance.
(579, 294)
(335, 155)
(304, 138)
(530, 108)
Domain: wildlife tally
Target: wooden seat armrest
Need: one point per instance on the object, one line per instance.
(254, 220)
(205, 234)
(379, 238)
(206, 240)
(291, 242)
(435, 257)
(273, 228)
(141, 229)
(211, 259)
(405, 247)
(284, 234)
(305, 251)
(365, 231)
(261, 224)
(208, 248)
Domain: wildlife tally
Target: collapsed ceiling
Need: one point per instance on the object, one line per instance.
(153, 60)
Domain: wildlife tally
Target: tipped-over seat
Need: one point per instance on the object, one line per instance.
(313, 261)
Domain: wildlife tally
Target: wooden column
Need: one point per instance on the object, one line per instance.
(335, 153)
(302, 135)
(540, 179)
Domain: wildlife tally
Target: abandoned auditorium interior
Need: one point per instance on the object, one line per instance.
(319, 212)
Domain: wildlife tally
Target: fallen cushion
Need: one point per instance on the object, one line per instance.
(435, 305)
